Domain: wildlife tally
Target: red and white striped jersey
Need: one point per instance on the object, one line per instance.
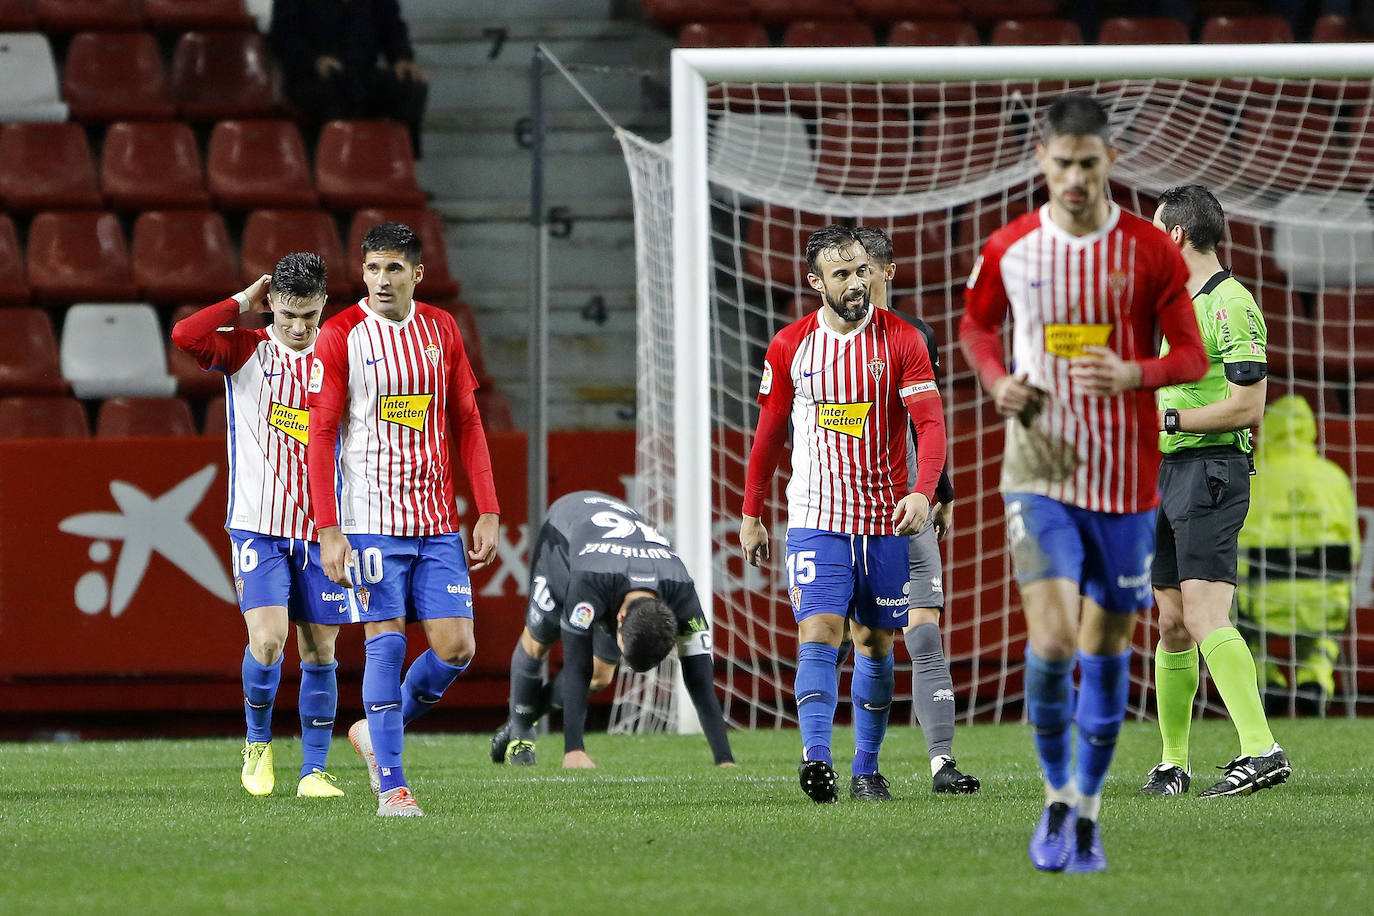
(396, 383)
(847, 396)
(1116, 287)
(265, 383)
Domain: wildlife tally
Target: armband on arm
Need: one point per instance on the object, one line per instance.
(1246, 373)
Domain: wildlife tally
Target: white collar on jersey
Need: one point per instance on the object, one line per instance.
(288, 351)
(367, 310)
(831, 332)
(1049, 225)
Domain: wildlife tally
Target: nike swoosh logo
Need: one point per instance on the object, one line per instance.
(871, 708)
(809, 696)
(271, 374)
(382, 707)
(1036, 284)
(321, 723)
(809, 374)
(255, 705)
(373, 362)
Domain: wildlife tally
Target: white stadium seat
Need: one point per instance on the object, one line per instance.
(28, 79)
(109, 350)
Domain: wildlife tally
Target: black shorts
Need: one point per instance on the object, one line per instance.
(1204, 496)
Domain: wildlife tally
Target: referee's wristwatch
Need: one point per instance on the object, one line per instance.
(1171, 422)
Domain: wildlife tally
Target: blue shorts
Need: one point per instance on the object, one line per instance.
(418, 578)
(285, 572)
(1108, 554)
(863, 576)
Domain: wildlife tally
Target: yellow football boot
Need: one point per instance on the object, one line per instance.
(258, 777)
(318, 784)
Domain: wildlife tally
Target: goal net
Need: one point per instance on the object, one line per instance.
(937, 148)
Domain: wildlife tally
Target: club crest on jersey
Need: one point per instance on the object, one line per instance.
(795, 595)
(432, 354)
(291, 420)
(1117, 281)
(849, 419)
(876, 366)
(316, 375)
(364, 596)
(406, 409)
(581, 616)
(1068, 340)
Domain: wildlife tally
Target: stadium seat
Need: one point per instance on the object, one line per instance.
(1036, 32)
(472, 339)
(28, 354)
(932, 33)
(868, 151)
(83, 15)
(672, 13)
(927, 251)
(1345, 319)
(1334, 27)
(152, 165)
(960, 146)
(144, 417)
(28, 79)
(113, 76)
(1248, 252)
(79, 256)
(46, 167)
(1291, 336)
(723, 35)
(781, 12)
(1289, 145)
(775, 246)
(14, 288)
(185, 15)
(1361, 127)
(774, 148)
(253, 164)
(828, 33)
(987, 11)
(438, 284)
(111, 350)
(366, 163)
(898, 10)
(1142, 30)
(218, 75)
(497, 416)
(17, 16)
(268, 235)
(1244, 30)
(192, 381)
(43, 418)
(183, 256)
(1132, 200)
(216, 418)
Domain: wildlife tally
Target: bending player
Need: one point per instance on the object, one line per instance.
(1204, 486)
(1089, 288)
(391, 385)
(847, 376)
(276, 558)
(609, 586)
(932, 689)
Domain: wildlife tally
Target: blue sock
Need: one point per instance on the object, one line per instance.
(871, 692)
(1103, 684)
(1049, 703)
(817, 690)
(425, 683)
(259, 693)
(319, 699)
(385, 653)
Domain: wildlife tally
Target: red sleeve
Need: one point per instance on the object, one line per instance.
(922, 398)
(200, 335)
(769, 439)
(775, 387)
(985, 309)
(327, 394)
(1186, 360)
(466, 422)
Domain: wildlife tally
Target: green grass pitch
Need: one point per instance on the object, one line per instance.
(162, 826)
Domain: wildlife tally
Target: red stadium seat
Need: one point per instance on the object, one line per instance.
(472, 339)
(828, 33)
(221, 75)
(216, 418)
(1333, 27)
(254, 164)
(1361, 126)
(184, 15)
(46, 167)
(1347, 333)
(269, 235)
(29, 362)
(1142, 30)
(868, 151)
(926, 250)
(1291, 336)
(1291, 146)
(152, 165)
(987, 11)
(17, 16)
(43, 418)
(79, 256)
(81, 15)
(123, 418)
(192, 381)
(1248, 252)
(1245, 30)
(780, 12)
(183, 256)
(497, 416)
(112, 76)
(723, 35)
(14, 289)
(438, 284)
(679, 12)
(363, 163)
(775, 246)
(1036, 32)
(897, 10)
(932, 33)
(961, 146)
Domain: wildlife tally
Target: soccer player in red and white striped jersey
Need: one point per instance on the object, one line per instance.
(1089, 288)
(391, 385)
(277, 570)
(848, 376)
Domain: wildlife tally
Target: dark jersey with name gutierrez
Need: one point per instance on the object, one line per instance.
(593, 549)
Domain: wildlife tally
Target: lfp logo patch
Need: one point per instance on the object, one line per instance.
(581, 616)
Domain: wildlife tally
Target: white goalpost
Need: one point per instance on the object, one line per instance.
(936, 145)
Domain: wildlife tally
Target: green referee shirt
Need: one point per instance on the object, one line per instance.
(1233, 332)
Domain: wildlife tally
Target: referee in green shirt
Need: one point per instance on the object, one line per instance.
(1204, 486)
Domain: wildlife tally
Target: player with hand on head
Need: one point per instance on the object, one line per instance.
(848, 377)
(609, 586)
(1089, 288)
(276, 558)
(932, 689)
(1204, 486)
(391, 386)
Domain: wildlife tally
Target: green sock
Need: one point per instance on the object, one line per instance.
(1176, 679)
(1233, 671)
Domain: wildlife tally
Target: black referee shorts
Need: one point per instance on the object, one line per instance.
(1204, 496)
